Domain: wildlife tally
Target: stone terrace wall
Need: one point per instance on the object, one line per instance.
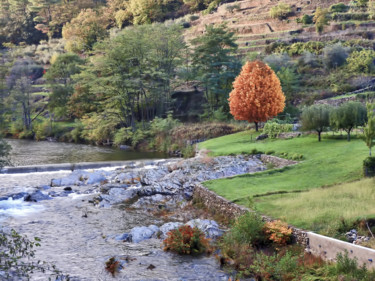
(276, 161)
(222, 206)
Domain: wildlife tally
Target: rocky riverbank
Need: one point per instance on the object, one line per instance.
(85, 217)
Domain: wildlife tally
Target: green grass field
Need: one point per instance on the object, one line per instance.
(326, 163)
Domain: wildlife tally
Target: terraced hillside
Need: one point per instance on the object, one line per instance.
(255, 29)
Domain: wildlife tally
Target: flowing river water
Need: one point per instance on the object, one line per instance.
(77, 236)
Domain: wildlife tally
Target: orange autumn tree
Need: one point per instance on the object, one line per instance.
(257, 94)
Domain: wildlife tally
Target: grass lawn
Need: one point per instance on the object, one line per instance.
(326, 163)
(325, 210)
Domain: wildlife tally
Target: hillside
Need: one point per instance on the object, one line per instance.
(255, 29)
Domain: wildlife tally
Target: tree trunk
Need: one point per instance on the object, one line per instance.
(319, 137)
(348, 136)
(256, 126)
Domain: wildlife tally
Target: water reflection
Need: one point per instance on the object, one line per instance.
(26, 152)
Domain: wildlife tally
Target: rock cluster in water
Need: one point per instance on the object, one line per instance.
(159, 185)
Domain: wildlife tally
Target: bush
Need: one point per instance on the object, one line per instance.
(231, 8)
(273, 129)
(369, 167)
(248, 229)
(270, 152)
(186, 241)
(278, 232)
(123, 136)
(275, 267)
(362, 61)
(306, 19)
(335, 55)
(338, 8)
(281, 11)
(349, 267)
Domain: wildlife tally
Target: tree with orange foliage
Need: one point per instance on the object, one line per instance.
(257, 94)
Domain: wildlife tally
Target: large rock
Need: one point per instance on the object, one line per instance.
(118, 195)
(165, 228)
(36, 197)
(141, 233)
(209, 227)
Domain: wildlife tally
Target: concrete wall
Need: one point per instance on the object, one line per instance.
(328, 248)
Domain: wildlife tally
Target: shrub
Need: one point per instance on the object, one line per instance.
(369, 167)
(335, 55)
(231, 8)
(270, 152)
(338, 8)
(188, 151)
(281, 11)
(320, 19)
(273, 129)
(349, 267)
(306, 19)
(278, 232)
(362, 61)
(186, 241)
(193, 17)
(275, 267)
(122, 136)
(248, 229)
(112, 266)
(278, 61)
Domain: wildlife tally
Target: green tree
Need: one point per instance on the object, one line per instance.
(369, 129)
(348, 116)
(19, 88)
(16, 23)
(289, 79)
(59, 76)
(321, 19)
(316, 118)
(215, 63)
(131, 81)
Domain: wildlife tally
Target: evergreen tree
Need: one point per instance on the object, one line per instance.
(215, 63)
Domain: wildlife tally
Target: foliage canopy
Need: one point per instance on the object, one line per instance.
(257, 94)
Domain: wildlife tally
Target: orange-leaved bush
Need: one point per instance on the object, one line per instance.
(186, 240)
(257, 94)
(278, 232)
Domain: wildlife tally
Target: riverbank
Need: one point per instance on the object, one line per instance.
(85, 217)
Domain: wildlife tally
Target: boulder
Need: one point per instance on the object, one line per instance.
(165, 228)
(123, 237)
(118, 195)
(261, 137)
(141, 233)
(125, 147)
(36, 197)
(209, 227)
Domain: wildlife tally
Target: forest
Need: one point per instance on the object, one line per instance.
(107, 73)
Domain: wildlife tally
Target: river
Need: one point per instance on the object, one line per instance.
(77, 236)
(27, 152)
